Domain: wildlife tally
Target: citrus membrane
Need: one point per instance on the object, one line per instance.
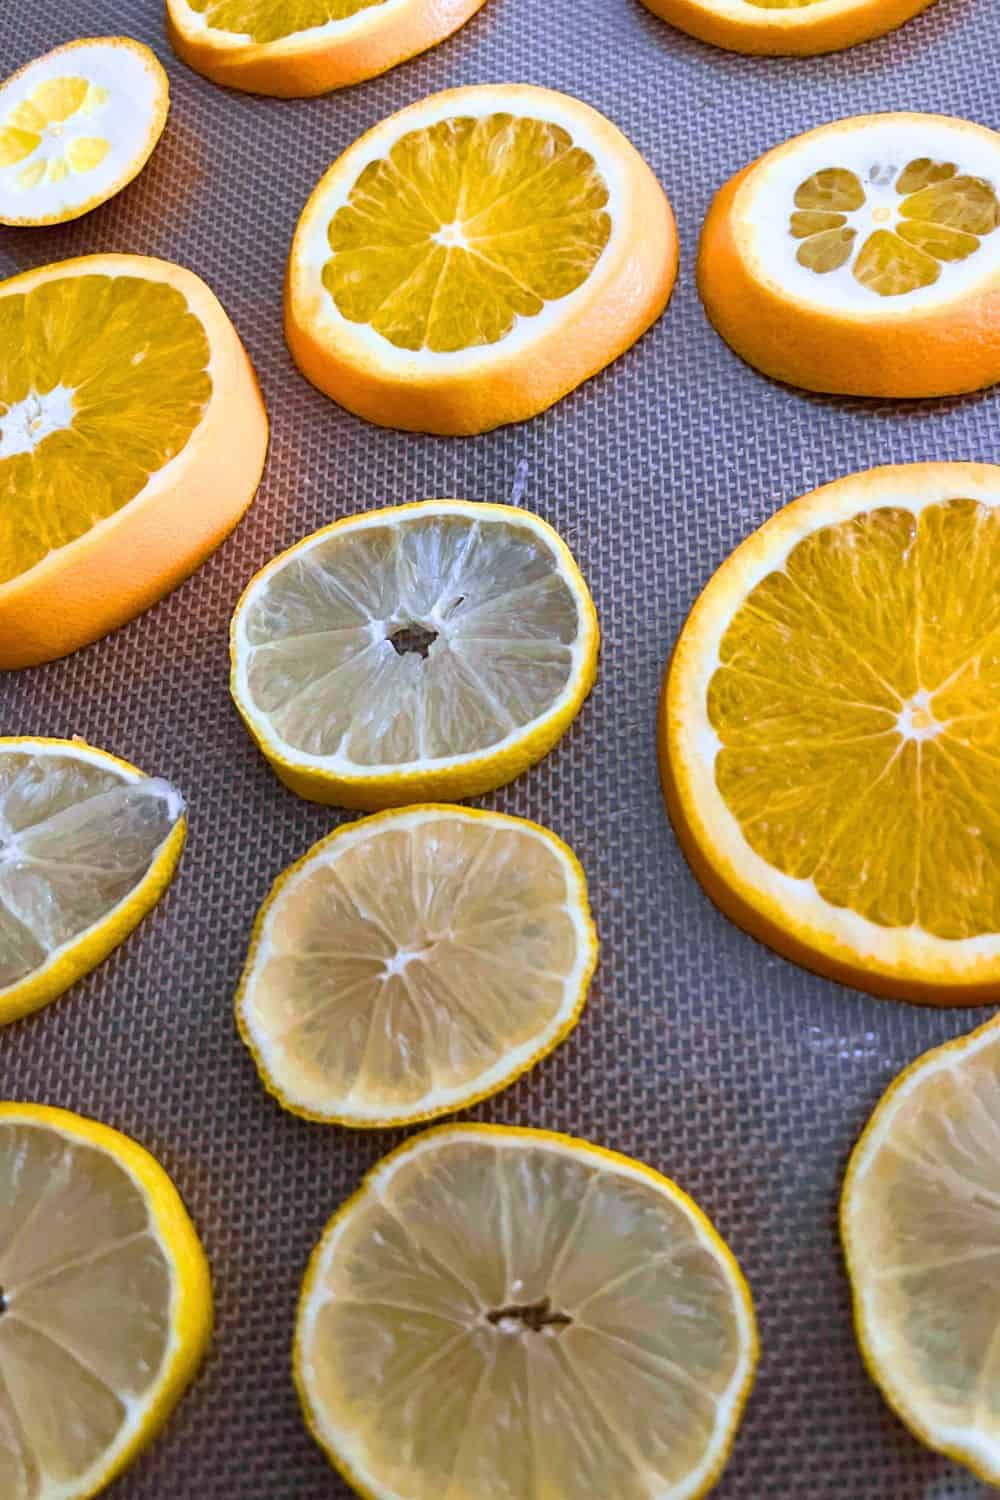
(87, 845)
(265, 21)
(76, 126)
(511, 1312)
(105, 1302)
(436, 647)
(415, 962)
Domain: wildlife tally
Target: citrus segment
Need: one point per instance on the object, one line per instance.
(415, 962)
(920, 1220)
(829, 736)
(787, 27)
(132, 437)
(511, 1312)
(76, 126)
(863, 258)
(474, 258)
(87, 846)
(105, 1302)
(307, 46)
(434, 650)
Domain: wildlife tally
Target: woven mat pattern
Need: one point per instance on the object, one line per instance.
(701, 1052)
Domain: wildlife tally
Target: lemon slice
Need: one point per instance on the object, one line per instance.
(920, 1221)
(105, 1303)
(132, 439)
(474, 258)
(88, 845)
(430, 651)
(829, 732)
(414, 963)
(786, 27)
(294, 48)
(76, 126)
(863, 258)
(512, 1312)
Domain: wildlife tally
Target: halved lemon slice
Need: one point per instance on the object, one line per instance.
(786, 27)
(105, 1303)
(512, 1312)
(829, 732)
(294, 48)
(132, 439)
(430, 651)
(88, 845)
(920, 1220)
(76, 126)
(474, 258)
(415, 962)
(863, 258)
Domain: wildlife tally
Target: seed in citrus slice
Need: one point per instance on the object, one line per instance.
(786, 27)
(920, 1221)
(105, 1303)
(863, 258)
(512, 1312)
(88, 845)
(132, 439)
(430, 651)
(414, 963)
(294, 48)
(829, 732)
(76, 126)
(474, 258)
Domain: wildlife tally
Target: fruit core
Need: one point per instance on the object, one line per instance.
(533, 1317)
(27, 423)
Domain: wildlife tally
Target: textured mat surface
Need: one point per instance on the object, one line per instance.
(742, 1077)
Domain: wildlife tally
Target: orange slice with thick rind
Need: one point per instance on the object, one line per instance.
(829, 733)
(863, 258)
(786, 27)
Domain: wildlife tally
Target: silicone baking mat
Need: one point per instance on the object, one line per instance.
(701, 1052)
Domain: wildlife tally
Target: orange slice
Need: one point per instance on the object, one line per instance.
(786, 27)
(863, 258)
(507, 1312)
(294, 48)
(474, 258)
(829, 732)
(76, 126)
(132, 439)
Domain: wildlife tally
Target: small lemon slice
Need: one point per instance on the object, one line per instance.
(512, 1312)
(88, 845)
(920, 1220)
(76, 126)
(431, 651)
(415, 962)
(863, 258)
(799, 28)
(105, 1303)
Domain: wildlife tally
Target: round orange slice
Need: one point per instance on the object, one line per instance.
(474, 258)
(786, 27)
(76, 126)
(829, 733)
(863, 258)
(294, 48)
(132, 439)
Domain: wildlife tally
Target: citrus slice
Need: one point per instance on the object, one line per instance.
(294, 48)
(105, 1303)
(414, 963)
(920, 1221)
(76, 126)
(512, 1312)
(430, 651)
(786, 27)
(829, 732)
(132, 439)
(474, 258)
(863, 258)
(88, 845)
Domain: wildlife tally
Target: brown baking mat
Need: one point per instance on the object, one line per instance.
(741, 1076)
